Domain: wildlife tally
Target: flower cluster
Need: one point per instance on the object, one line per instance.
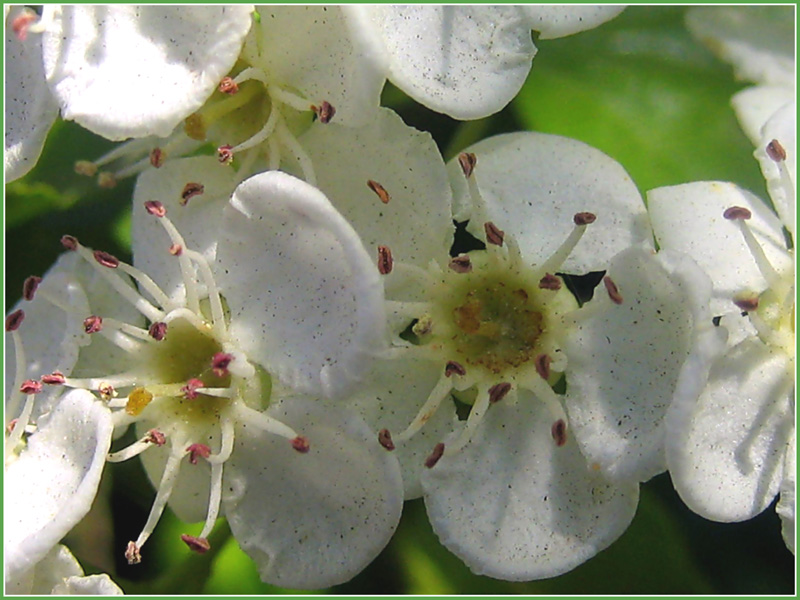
(303, 340)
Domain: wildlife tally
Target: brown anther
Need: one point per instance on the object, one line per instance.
(154, 436)
(155, 208)
(196, 544)
(584, 218)
(54, 378)
(494, 235)
(22, 23)
(747, 303)
(14, 320)
(423, 326)
(550, 282)
(300, 443)
(86, 168)
(434, 456)
(93, 324)
(385, 439)
(460, 263)
(157, 157)
(542, 363)
(225, 154)
(220, 362)
(776, 152)
(385, 262)
(737, 213)
(467, 160)
(29, 287)
(69, 242)
(106, 259)
(106, 180)
(196, 451)
(107, 391)
(190, 190)
(158, 331)
(324, 111)
(30, 386)
(176, 249)
(499, 391)
(559, 432)
(611, 288)
(191, 387)
(228, 86)
(379, 190)
(454, 368)
(11, 425)
(132, 554)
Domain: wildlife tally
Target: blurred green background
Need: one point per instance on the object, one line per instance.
(641, 89)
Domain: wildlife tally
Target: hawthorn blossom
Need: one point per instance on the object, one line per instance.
(222, 371)
(467, 61)
(731, 439)
(120, 71)
(532, 482)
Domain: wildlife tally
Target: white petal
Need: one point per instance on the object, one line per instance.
(133, 71)
(688, 218)
(786, 504)
(317, 51)
(552, 21)
(534, 183)
(514, 506)
(624, 361)
(305, 298)
(465, 61)
(755, 105)
(757, 40)
(30, 107)
(52, 484)
(390, 397)
(58, 564)
(782, 126)
(725, 449)
(312, 520)
(416, 223)
(197, 221)
(90, 585)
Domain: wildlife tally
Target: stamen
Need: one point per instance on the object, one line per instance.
(22, 23)
(433, 458)
(86, 168)
(552, 264)
(494, 235)
(739, 215)
(29, 287)
(498, 391)
(196, 451)
(264, 133)
(158, 331)
(423, 326)
(438, 393)
(301, 444)
(106, 259)
(189, 283)
(69, 242)
(93, 324)
(106, 180)
(746, 301)
(454, 368)
(467, 160)
(776, 151)
(279, 95)
(190, 190)
(14, 320)
(30, 386)
(460, 264)
(542, 363)
(155, 208)
(385, 439)
(190, 389)
(550, 282)
(153, 437)
(245, 414)
(165, 488)
(132, 554)
(196, 544)
(228, 86)
(175, 250)
(157, 157)
(226, 444)
(324, 112)
(55, 378)
(225, 154)
(220, 362)
(384, 260)
(611, 288)
(217, 313)
(584, 218)
(106, 391)
(559, 432)
(288, 140)
(379, 190)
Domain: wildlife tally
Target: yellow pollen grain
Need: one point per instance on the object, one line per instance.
(137, 401)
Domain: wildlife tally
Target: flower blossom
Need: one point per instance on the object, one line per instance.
(731, 442)
(120, 71)
(532, 482)
(221, 370)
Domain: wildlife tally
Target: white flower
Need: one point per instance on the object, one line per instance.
(533, 482)
(467, 61)
(60, 574)
(286, 298)
(120, 71)
(730, 446)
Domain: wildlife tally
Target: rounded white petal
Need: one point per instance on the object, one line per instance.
(51, 485)
(786, 504)
(624, 360)
(755, 105)
(513, 505)
(132, 71)
(305, 298)
(552, 21)
(58, 564)
(197, 221)
(415, 223)
(534, 183)
(781, 179)
(89, 585)
(317, 519)
(757, 40)
(465, 61)
(317, 51)
(725, 449)
(688, 218)
(30, 107)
